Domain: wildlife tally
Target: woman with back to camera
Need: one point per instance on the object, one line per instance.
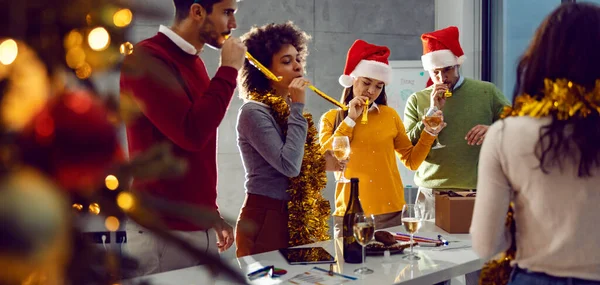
(544, 157)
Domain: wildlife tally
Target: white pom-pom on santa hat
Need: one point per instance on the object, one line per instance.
(441, 49)
(345, 80)
(366, 60)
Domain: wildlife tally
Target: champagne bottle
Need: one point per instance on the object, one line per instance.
(352, 250)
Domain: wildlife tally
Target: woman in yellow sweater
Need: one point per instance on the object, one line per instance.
(374, 144)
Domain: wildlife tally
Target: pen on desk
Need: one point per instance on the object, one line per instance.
(403, 238)
(266, 268)
(428, 244)
(406, 237)
(417, 237)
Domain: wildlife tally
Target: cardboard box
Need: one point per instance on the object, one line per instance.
(453, 214)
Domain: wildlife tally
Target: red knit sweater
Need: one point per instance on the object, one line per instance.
(183, 106)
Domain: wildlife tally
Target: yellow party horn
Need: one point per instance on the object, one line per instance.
(273, 77)
(260, 66)
(448, 93)
(326, 97)
(364, 119)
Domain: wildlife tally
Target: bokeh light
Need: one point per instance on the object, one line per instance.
(98, 39)
(8, 51)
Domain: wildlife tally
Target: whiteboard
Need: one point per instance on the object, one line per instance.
(408, 77)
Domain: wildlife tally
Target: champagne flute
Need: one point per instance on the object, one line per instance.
(412, 217)
(434, 120)
(364, 230)
(341, 151)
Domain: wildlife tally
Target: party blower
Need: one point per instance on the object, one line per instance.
(273, 77)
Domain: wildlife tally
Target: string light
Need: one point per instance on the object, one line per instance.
(125, 201)
(73, 39)
(84, 71)
(94, 208)
(98, 39)
(111, 182)
(126, 48)
(122, 18)
(77, 207)
(75, 57)
(8, 51)
(112, 223)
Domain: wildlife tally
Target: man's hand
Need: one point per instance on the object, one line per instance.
(476, 135)
(233, 53)
(224, 235)
(437, 97)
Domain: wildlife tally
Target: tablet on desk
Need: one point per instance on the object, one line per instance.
(307, 255)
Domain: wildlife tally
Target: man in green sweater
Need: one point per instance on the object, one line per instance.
(470, 106)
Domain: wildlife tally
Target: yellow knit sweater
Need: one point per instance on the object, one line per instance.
(372, 158)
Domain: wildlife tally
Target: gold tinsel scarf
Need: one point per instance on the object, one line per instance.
(561, 98)
(308, 210)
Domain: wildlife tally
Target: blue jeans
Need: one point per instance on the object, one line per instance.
(525, 277)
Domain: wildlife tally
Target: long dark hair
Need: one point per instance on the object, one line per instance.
(347, 95)
(565, 45)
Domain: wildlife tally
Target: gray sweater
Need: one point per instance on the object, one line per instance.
(269, 157)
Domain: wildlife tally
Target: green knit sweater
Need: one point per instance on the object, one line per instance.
(455, 166)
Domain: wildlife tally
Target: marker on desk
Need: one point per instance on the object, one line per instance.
(443, 241)
(428, 244)
(261, 271)
(417, 237)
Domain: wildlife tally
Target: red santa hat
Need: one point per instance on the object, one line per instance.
(366, 60)
(441, 49)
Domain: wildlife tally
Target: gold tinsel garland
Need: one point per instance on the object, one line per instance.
(308, 210)
(562, 98)
(497, 272)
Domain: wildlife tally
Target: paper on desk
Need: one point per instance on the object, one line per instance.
(319, 276)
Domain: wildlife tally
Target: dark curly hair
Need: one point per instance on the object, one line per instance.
(565, 45)
(263, 42)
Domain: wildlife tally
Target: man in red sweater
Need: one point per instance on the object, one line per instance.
(183, 106)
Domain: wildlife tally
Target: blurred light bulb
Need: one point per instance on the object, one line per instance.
(112, 224)
(111, 182)
(122, 18)
(94, 208)
(98, 39)
(125, 201)
(126, 48)
(84, 71)
(8, 51)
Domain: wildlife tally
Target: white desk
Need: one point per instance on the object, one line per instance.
(436, 265)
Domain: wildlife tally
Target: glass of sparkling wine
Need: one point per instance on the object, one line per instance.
(364, 230)
(412, 217)
(434, 121)
(341, 151)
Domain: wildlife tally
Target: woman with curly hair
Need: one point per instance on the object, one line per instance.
(278, 147)
(544, 158)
